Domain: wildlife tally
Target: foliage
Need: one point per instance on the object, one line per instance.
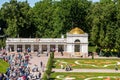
(83, 76)
(49, 66)
(92, 55)
(91, 48)
(18, 19)
(3, 66)
(44, 76)
(2, 43)
(51, 18)
(52, 55)
(57, 17)
(104, 21)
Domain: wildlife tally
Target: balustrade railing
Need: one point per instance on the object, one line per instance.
(36, 40)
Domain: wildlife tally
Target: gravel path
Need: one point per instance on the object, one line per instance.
(36, 60)
(88, 70)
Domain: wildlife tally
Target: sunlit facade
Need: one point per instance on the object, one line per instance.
(76, 41)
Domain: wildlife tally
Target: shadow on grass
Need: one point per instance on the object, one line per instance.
(53, 66)
(51, 78)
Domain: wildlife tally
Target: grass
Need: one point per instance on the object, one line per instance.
(87, 63)
(3, 66)
(84, 76)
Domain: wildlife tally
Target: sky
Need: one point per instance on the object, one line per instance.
(31, 2)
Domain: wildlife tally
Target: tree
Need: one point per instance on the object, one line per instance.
(117, 43)
(18, 18)
(43, 18)
(54, 18)
(75, 14)
(2, 24)
(104, 24)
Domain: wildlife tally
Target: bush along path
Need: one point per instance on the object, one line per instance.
(48, 71)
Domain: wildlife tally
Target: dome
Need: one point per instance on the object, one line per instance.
(76, 31)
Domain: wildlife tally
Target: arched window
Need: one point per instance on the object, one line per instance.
(77, 41)
(77, 45)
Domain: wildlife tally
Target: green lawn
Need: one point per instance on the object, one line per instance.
(87, 63)
(3, 66)
(84, 76)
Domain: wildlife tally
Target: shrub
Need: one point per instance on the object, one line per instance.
(52, 55)
(44, 76)
(49, 67)
(3, 68)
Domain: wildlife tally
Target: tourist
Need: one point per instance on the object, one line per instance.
(19, 68)
(61, 50)
(18, 49)
(38, 53)
(28, 50)
(38, 76)
(41, 64)
(68, 68)
(47, 54)
(1, 76)
(35, 68)
(43, 67)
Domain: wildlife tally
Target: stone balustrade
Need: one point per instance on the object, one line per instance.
(36, 40)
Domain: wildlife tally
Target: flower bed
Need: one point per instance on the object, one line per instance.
(84, 76)
(87, 63)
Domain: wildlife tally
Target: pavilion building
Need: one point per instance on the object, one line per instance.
(76, 41)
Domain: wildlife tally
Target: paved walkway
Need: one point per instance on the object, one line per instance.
(88, 70)
(36, 60)
(66, 55)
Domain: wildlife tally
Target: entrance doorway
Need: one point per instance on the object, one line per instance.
(19, 48)
(77, 45)
(11, 48)
(44, 48)
(60, 48)
(52, 48)
(36, 47)
(27, 48)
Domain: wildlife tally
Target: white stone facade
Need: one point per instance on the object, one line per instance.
(71, 44)
(83, 43)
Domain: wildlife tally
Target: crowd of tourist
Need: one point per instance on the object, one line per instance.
(19, 67)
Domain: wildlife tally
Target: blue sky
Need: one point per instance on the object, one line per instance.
(31, 2)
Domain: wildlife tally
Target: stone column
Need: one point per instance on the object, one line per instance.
(7, 46)
(73, 48)
(23, 48)
(15, 48)
(56, 46)
(32, 48)
(64, 47)
(40, 48)
(81, 48)
(48, 48)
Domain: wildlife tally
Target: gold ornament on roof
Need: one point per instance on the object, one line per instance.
(76, 31)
